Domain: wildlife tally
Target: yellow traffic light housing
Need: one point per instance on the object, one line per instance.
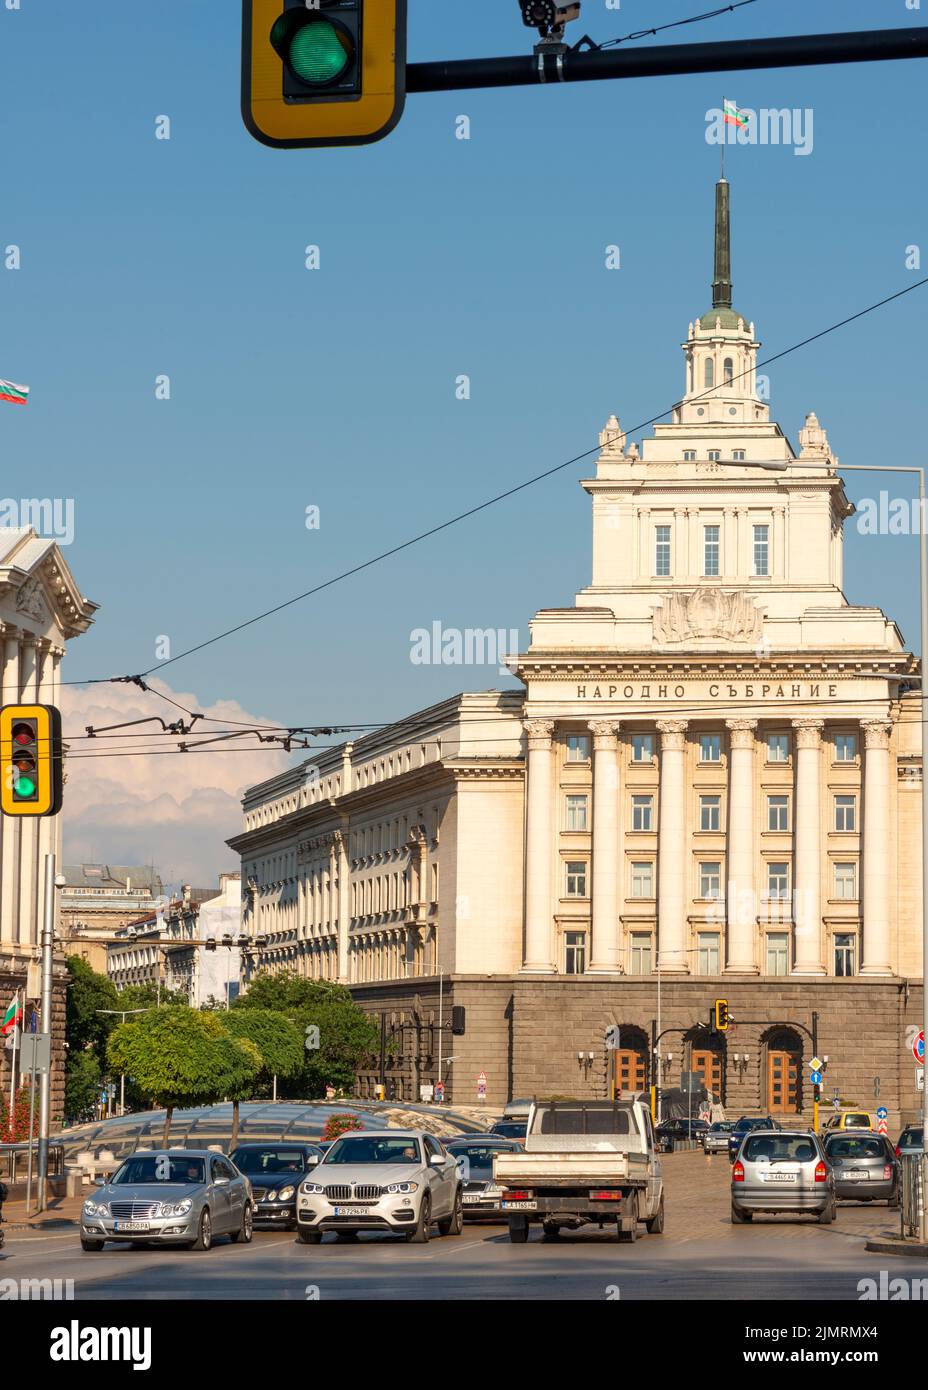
(331, 73)
(722, 1016)
(30, 760)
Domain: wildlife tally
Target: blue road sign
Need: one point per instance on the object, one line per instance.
(816, 1078)
(882, 1113)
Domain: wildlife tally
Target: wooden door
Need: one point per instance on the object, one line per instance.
(782, 1082)
(710, 1064)
(630, 1070)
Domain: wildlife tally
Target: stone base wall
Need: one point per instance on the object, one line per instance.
(13, 977)
(526, 1033)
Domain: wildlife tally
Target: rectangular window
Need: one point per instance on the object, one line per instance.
(575, 873)
(761, 550)
(778, 748)
(845, 748)
(640, 953)
(643, 879)
(714, 455)
(710, 748)
(642, 748)
(710, 813)
(710, 550)
(737, 455)
(689, 455)
(778, 813)
(777, 881)
(707, 953)
(845, 953)
(710, 880)
(642, 813)
(574, 952)
(845, 813)
(777, 953)
(578, 748)
(846, 881)
(662, 551)
(576, 813)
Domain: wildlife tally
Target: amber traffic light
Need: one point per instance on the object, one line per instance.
(30, 760)
(329, 74)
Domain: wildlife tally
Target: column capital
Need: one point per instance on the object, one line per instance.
(877, 732)
(741, 732)
(808, 732)
(672, 732)
(539, 733)
(604, 732)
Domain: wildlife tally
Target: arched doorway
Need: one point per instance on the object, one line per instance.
(707, 1057)
(783, 1071)
(630, 1061)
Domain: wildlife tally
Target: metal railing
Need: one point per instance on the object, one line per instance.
(914, 1167)
(14, 1159)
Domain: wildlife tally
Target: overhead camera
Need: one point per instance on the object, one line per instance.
(547, 16)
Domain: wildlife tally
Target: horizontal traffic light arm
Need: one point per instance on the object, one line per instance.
(665, 60)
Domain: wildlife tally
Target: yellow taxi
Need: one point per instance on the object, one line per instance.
(849, 1119)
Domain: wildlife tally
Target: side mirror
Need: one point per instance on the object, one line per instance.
(220, 1182)
(313, 1160)
(436, 1161)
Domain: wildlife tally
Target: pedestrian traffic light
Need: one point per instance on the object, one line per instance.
(721, 1015)
(458, 1017)
(30, 760)
(330, 73)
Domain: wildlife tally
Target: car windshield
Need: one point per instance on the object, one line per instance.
(512, 1128)
(588, 1119)
(374, 1150)
(779, 1148)
(857, 1119)
(477, 1159)
(743, 1126)
(850, 1146)
(721, 1127)
(912, 1137)
(269, 1161)
(159, 1168)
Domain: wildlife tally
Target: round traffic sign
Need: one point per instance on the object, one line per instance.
(918, 1047)
(882, 1113)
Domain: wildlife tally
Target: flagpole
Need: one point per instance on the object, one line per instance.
(13, 1062)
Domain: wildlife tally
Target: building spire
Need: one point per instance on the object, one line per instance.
(721, 283)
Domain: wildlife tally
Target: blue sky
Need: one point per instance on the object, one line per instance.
(336, 388)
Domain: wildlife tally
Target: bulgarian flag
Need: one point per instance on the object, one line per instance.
(732, 115)
(9, 391)
(13, 1015)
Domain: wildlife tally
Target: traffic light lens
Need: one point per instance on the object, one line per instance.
(319, 53)
(24, 786)
(22, 734)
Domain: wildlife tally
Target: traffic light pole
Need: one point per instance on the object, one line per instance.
(561, 64)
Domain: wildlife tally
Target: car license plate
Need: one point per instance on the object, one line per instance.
(470, 1201)
(858, 1175)
(782, 1177)
(352, 1211)
(131, 1225)
(520, 1206)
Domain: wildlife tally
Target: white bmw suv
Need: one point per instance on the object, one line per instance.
(399, 1180)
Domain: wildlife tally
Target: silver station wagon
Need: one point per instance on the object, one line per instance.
(782, 1171)
(176, 1196)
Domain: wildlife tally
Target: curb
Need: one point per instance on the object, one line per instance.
(912, 1248)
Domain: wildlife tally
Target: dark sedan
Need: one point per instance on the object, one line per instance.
(865, 1167)
(510, 1129)
(743, 1127)
(474, 1154)
(680, 1130)
(276, 1171)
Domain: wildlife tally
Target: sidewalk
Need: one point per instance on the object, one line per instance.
(63, 1214)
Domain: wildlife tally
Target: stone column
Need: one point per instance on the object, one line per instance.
(807, 866)
(671, 849)
(875, 845)
(539, 833)
(741, 893)
(605, 951)
(10, 832)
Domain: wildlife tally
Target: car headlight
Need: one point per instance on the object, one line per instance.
(397, 1187)
(96, 1208)
(285, 1194)
(312, 1189)
(175, 1208)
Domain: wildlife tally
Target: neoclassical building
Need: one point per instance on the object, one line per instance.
(709, 786)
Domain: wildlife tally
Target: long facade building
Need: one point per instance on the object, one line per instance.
(708, 787)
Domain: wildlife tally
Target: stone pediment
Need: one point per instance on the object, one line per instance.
(37, 588)
(706, 612)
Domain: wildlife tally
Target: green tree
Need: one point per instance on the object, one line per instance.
(180, 1056)
(148, 996)
(82, 1081)
(279, 1043)
(88, 992)
(347, 1036)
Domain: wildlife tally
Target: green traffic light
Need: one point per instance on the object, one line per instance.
(24, 787)
(319, 53)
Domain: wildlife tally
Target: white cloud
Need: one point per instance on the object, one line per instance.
(174, 810)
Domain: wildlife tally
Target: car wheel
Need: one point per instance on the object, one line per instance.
(423, 1231)
(244, 1232)
(739, 1217)
(204, 1238)
(550, 1231)
(91, 1244)
(826, 1217)
(656, 1224)
(518, 1229)
(308, 1237)
(453, 1225)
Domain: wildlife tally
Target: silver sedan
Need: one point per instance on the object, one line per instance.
(182, 1196)
(382, 1180)
(782, 1171)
